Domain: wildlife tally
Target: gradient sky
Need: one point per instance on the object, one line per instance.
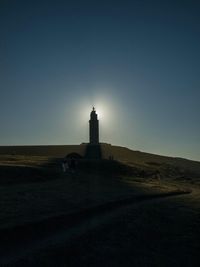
(137, 62)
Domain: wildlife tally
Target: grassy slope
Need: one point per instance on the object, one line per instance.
(168, 166)
(49, 151)
(134, 158)
(33, 187)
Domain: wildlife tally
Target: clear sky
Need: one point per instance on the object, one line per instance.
(137, 62)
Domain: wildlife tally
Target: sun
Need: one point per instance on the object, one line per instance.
(100, 112)
(105, 108)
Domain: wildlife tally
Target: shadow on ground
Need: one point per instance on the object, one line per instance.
(19, 170)
(93, 216)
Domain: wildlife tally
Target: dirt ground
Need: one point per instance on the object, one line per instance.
(89, 218)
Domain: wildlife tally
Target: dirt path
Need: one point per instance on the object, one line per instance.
(58, 241)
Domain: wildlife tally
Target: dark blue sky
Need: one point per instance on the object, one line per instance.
(138, 62)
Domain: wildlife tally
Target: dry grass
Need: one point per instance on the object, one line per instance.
(149, 233)
(34, 187)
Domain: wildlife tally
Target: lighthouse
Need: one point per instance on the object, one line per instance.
(94, 128)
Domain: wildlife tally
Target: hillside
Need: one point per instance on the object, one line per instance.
(144, 162)
(106, 208)
(170, 166)
(46, 150)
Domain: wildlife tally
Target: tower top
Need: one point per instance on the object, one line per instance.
(94, 127)
(93, 114)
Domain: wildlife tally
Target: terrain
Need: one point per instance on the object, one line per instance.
(105, 213)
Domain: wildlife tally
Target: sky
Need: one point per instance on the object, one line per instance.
(137, 62)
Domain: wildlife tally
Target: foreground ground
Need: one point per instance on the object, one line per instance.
(97, 216)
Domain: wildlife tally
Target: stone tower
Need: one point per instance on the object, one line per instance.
(94, 128)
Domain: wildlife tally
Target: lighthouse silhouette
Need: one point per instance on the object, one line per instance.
(94, 128)
(93, 150)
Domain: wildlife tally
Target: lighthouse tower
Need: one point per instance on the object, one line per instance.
(94, 128)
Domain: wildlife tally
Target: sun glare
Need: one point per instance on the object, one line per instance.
(101, 110)
(105, 108)
(108, 112)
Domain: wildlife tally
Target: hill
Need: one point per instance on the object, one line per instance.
(114, 207)
(145, 164)
(167, 166)
(43, 150)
